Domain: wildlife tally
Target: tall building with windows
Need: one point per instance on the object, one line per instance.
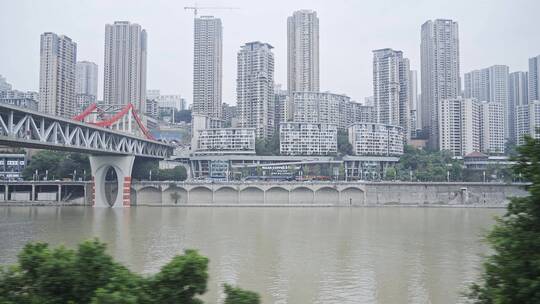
(414, 106)
(124, 79)
(207, 66)
(303, 52)
(517, 96)
(86, 84)
(460, 125)
(391, 89)
(492, 139)
(534, 78)
(528, 121)
(281, 106)
(255, 88)
(491, 84)
(58, 57)
(440, 74)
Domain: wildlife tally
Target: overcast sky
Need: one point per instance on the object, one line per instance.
(491, 32)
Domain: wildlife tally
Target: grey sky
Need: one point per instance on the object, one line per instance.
(491, 32)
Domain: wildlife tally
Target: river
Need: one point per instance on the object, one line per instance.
(288, 255)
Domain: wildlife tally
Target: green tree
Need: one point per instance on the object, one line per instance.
(58, 165)
(89, 275)
(512, 273)
(237, 295)
(268, 146)
(181, 280)
(343, 145)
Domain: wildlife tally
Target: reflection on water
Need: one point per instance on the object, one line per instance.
(288, 255)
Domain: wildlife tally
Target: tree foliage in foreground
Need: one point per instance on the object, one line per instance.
(89, 275)
(512, 273)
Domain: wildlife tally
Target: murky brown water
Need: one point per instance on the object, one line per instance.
(288, 255)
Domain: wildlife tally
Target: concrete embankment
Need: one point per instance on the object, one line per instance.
(322, 194)
(284, 194)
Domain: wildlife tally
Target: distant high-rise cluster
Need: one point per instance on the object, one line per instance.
(207, 66)
(496, 107)
(124, 70)
(58, 57)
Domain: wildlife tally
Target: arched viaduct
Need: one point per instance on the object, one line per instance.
(324, 194)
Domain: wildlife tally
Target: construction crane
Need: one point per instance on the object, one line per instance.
(196, 8)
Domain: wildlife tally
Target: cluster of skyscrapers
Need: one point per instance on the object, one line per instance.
(305, 119)
(493, 108)
(67, 86)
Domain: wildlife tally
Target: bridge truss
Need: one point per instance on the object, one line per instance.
(21, 127)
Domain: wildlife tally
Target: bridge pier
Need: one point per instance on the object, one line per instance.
(122, 165)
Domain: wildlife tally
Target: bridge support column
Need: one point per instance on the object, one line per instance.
(122, 165)
(59, 197)
(33, 197)
(6, 192)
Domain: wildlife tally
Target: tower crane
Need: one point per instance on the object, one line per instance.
(196, 8)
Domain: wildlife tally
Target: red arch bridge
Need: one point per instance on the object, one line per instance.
(112, 135)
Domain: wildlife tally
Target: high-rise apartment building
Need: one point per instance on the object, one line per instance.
(517, 96)
(491, 84)
(303, 52)
(439, 71)
(281, 106)
(534, 78)
(124, 70)
(459, 125)
(86, 84)
(357, 112)
(492, 139)
(255, 88)
(414, 105)
(391, 89)
(528, 121)
(58, 57)
(207, 66)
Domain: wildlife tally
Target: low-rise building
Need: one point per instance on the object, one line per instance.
(26, 103)
(298, 138)
(376, 139)
(320, 107)
(226, 141)
(11, 166)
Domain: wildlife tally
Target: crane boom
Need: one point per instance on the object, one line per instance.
(196, 9)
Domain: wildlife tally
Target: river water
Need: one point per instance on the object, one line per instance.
(288, 255)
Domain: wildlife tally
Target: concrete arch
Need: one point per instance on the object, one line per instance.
(200, 195)
(252, 195)
(277, 195)
(352, 196)
(302, 195)
(326, 195)
(149, 195)
(226, 195)
(122, 166)
(174, 194)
